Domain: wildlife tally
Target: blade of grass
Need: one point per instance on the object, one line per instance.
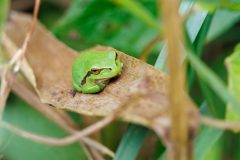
(208, 136)
(131, 143)
(205, 141)
(215, 105)
(196, 20)
(198, 43)
(230, 18)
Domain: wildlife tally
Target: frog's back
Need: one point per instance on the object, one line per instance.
(98, 59)
(92, 60)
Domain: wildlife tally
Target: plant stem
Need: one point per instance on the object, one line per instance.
(178, 148)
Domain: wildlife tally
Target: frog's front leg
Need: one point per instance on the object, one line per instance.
(91, 86)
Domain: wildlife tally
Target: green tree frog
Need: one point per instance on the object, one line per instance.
(92, 70)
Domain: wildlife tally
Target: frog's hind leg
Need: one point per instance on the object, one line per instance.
(77, 87)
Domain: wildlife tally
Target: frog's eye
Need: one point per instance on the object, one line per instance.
(96, 71)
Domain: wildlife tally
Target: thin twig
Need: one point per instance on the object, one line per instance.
(98, 146)
(95, 154)
(18, 57)
(52, 141)
(30, 97)
(16, 61)
(221, 124)
(4, 90)
(57, 141)
(77, 135)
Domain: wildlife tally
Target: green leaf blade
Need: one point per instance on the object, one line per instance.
(131, 143)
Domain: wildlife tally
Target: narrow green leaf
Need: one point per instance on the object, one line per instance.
(205, 141)
(196, 23)
(207, 136)
(131, 143)
(233, 66)
(193, 25)
(230, 18)
(198, 41)
(215, 105)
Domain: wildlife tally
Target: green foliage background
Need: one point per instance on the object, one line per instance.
(211, 34)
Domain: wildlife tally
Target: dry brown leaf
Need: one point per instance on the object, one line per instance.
(51, 63)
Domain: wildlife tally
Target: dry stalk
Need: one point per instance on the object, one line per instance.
(144, 54)
(16, 60)
(179, 145)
